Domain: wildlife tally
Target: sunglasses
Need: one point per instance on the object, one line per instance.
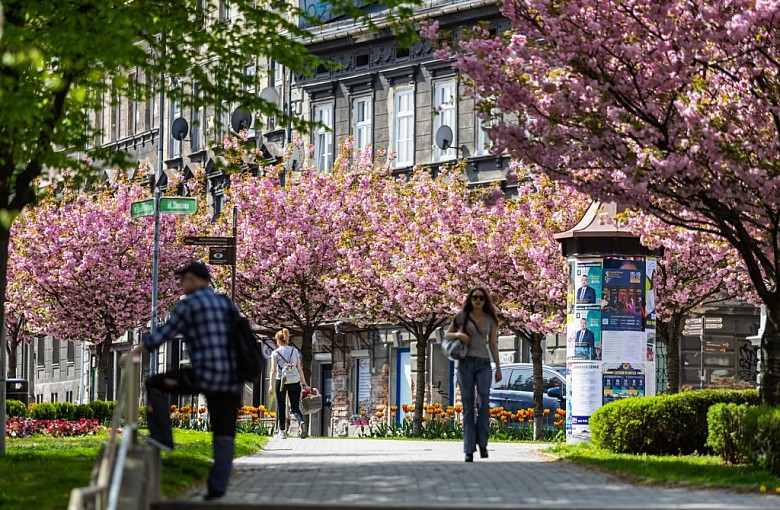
(477, 297)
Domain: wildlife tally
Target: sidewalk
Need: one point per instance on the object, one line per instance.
(362, 472)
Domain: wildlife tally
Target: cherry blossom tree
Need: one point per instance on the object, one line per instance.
(286, 246)
(407, 253)
(670, 105)
(16, 327)
(86, 266)
(697, 269)
(527, 273)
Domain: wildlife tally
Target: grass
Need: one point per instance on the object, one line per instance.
(39, 472)
(703, 470)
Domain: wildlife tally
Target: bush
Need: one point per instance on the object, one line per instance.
(666, 424)
(44, 411)
(84, 412)
(15, 409)
(768, 440)
(65, 411)
(143, 422)
(726, 437)
(103, 410)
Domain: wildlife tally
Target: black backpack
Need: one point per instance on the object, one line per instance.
(248, 353)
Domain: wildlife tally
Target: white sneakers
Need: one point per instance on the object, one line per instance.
(281, 435)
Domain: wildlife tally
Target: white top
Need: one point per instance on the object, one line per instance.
(285, 354)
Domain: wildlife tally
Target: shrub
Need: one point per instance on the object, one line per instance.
(666, 424)
(84, 412)
(15, 409)
(102, 410)
(44, 411)
(143, 422)
(65, 411)
(768, 440)
(726, 437)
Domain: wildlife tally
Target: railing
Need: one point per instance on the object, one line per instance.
(103, 493)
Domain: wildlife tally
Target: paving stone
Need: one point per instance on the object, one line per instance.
(365, 472)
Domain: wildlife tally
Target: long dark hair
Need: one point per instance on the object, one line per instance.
(487, 307)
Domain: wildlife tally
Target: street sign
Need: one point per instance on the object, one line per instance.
(178, 205)
(209, 241)
(713, 323)
(142, 208)
(222, 255)
(693, 322)
(716, 345)
(689, 331)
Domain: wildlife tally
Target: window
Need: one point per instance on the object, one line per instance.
(99, 121)
(196, 133)
(132, 104)
(53, 398)
(522, 379)
(41, 350)
(361, 128)
(116, 106)
(403, 128)
(225, 10)
(483, 141)
(55, 351)
(69, 396)
(174, 112)
(71, 352)
(149, 111)
(278, 79)
(444, 107)
(251, 90)
(323, 136)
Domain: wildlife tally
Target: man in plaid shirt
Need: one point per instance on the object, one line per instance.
(202, 319)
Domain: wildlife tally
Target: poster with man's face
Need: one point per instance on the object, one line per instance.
(587, 283)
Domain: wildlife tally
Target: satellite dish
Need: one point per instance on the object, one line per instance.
(241, 119)
(179, 129)
(444, 137)
(271, 95)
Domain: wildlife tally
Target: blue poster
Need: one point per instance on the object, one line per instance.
(623, 285)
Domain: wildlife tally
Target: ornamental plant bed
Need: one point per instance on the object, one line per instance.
(26, 427)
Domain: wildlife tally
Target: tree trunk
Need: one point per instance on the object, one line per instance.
(13, 347)
(419, 392)
(770, 356)
(103, 351)
(5, 236)
(306, 359)
(535, 339)
(669, 333)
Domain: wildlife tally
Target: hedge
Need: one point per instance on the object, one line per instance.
(65, 411)
(746, 434)
(15, 409)
(43, 411)
(84, 411)
(662, 425)
(103, 410)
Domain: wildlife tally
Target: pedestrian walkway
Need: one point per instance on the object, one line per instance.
(360, 473)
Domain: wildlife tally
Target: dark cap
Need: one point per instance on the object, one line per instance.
(195, 268)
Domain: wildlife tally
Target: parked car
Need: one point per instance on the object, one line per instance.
(515, 391)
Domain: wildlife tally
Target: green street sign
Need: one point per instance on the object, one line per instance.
(142, 208)
(178, 205)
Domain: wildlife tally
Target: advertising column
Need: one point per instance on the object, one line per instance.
(610, 336)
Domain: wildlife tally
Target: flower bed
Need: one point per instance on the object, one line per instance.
(25, 427)
(445, 422)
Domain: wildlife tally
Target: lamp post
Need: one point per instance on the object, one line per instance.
(156, 190)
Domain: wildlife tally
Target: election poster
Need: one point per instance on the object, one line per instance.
(623, 288)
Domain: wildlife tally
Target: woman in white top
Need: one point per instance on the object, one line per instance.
(286, 354)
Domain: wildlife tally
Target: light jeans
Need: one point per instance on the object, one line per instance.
(475, 372)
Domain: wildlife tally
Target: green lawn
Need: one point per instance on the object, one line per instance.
(39, 472)
(705, 470)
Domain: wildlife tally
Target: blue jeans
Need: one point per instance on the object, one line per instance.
(475, 372)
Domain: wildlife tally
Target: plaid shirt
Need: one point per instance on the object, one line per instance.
(202, 319)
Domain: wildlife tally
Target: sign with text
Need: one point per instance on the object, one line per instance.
(178, 205)
(222, 255)
(209, 241)
(142, 208)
